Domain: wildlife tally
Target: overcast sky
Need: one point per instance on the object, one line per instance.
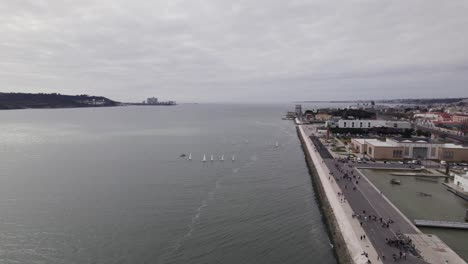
(252, 50)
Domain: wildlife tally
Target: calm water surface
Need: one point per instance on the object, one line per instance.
(108, 185)
(441, 205)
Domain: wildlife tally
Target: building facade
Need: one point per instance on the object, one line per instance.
(323, 117)
(367, 124)
(152, 100)
(413, 148)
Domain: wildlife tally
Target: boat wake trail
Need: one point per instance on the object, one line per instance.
(198, 212)
(191, 227)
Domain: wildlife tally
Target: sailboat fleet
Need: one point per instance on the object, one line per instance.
(221, 158)
(212, 157)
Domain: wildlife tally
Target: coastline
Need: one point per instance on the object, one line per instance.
(342, 227)
(344, 231)
(339, 245)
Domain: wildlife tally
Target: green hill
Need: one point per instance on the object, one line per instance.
(53, 100)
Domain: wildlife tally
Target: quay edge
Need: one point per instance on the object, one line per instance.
(339, 245)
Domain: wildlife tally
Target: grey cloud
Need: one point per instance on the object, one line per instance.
(219, 50)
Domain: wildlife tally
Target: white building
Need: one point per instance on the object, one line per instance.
(409, 148)
(366, 124)
(461, 181)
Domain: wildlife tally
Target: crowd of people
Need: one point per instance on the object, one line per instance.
(343, 172)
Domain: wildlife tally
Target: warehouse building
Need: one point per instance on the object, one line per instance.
(367, 124)
(409, 148)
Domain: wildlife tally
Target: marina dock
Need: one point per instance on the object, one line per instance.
(365, 200)
(441, 224)
(456, 190)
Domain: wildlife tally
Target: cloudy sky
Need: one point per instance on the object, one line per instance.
(249, 50)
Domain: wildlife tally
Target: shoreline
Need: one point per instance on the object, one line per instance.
(344, 231)
(339, 245)
(348, 248)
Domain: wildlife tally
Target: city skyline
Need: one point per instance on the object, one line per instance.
(224, 51)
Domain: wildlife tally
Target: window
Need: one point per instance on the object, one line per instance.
(406, 151)
(397, 153)
(368, 124)
(433, 152)
(370, 151)
(344, 124)
(395, 125)
(352, 124)
(360, 124)
(448, 154)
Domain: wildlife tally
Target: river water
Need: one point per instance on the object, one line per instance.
(108, 185)
(441, 205)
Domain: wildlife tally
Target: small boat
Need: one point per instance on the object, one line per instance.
(424, 194)
(204, 158)
(395, 181)
(212, 158)
(233, 157)
(190, 156)
(222, 157)
(277, 144)
(182, 155)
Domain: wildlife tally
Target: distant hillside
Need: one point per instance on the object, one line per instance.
(418, 101)
(424, 101)
(53, 100)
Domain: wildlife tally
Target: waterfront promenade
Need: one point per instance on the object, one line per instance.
(368, 221)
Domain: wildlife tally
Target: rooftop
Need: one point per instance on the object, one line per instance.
(451, 145)
(411, 140)
(374, 142)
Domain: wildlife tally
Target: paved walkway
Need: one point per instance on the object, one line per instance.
(349, 229)
(369, 212)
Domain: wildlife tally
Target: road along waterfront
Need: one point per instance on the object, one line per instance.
(372, 229)
(440, 205)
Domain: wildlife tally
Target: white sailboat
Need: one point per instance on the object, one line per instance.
(204, 158)
(212, 157)
(190, 156)
(222, 157)
(233, 157)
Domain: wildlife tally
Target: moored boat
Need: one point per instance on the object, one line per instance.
(395, 181)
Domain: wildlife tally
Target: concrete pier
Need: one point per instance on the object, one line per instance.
(345, 235)
(345, 200)
(441, 224)
(456, 190)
